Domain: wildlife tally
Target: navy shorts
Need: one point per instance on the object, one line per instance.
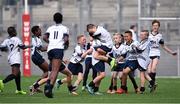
(103, 47)
(61, 68)
(75, 68)
(119, 67)
(99, 67)
(153, 57)
(56, 54)
(37, 59)
(132, 64)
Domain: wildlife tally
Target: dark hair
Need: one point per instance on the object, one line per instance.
(34, 29)
(128, 32)
(90, 26)
(11, 31)
(80, 36)
(132, 26)
(146, 32)
(156, 21)
(58, 17)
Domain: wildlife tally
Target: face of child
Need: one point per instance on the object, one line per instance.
(143, 35)
(91, 40)
(92, 30)
(155, 27)
(127, 37)
(117, 39)
(82, 41)
(38, 32)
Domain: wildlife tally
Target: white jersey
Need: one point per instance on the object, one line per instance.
(118, 51)
(76, 57)
(134, 35)
(56, 34)
(105, 37)
(95, 43)
(154, 44)
(143, 56)
(36, 42)
(14, 51)
(130, 52)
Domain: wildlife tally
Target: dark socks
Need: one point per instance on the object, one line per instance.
(142, 89)
(70, 88)
(111, 85)
(96, 89)
(124, 88)
(115, 88)
(36, 85)
(9, 78)
(109, 60)
(18, 82)
(154, 77)
(133, 82)
(151, 82)
(60, 82)
(91, 84)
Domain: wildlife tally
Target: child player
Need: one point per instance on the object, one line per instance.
(88, 64)
(37, 58)
(116, 53)
(75, 65)
(156, 40)
(13, 44)
(101, 34)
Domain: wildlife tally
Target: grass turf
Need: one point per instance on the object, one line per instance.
(168, 91)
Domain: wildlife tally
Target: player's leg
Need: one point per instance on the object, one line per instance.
(114, 82)
(142, 81)
(55, 56)
(111, 84)
(132, 78)
(123, 88)
(17, 73)
(97, 84)
(153, 68)
(88, 66)
(79, 79)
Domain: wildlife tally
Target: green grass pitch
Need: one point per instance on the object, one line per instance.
(168, 91)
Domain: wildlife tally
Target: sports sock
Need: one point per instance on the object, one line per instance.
(124, 88)
(96, 89)
(70, 88)
(9, 78)
(115, 88)
(142, 89)
(36, 85)
(18, 81)
(60, 82)
(111, 85)
(133, 82)
(151, 82)
(109, 60)
(91, 84)
(154, 77)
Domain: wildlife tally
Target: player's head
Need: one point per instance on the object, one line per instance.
(91, 29)
(58, 18)
(128, 36)
(155, 25)
(11, 31)
(81, 40)
(118, 38)
(91, 39)
(133, 27)
(144, 34)
(36, 31)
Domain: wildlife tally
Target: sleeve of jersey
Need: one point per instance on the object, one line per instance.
(161, 41)
(78, 50)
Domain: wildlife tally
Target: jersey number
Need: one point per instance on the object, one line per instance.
(55, 34)
(11, 46)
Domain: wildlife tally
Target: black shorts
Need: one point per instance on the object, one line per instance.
(132, 64)
(153, 57)
(75, 68)
(61, 68)
(37, 59)
(119, 67)
(99, 67)
(103, 47)
(56, 54)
